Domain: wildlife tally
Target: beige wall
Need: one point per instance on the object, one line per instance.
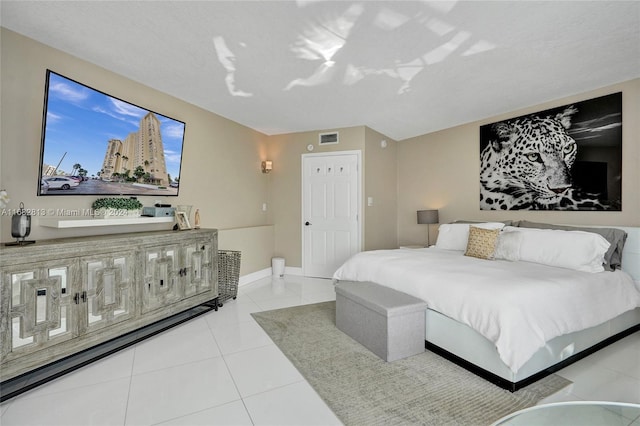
(441, 171)
(221, 166)
(285, 189)
(220, 169)
(254, 243)
(380, 183)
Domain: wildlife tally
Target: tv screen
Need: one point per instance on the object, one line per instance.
(97, 144)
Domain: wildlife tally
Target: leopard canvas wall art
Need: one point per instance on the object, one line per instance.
(565, 158)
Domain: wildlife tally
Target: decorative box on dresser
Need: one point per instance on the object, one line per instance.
(61, 297)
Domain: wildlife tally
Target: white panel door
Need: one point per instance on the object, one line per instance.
(330, 211)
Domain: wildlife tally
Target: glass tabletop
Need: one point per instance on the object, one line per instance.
(583, 413)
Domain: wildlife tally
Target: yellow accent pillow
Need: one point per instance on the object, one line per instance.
(482, 242)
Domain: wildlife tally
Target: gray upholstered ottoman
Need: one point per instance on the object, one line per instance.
(389, 323)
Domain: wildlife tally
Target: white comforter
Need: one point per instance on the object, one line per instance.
(517, 305)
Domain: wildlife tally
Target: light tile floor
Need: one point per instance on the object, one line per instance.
(222, 369)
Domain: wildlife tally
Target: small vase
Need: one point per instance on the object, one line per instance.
(196, 220)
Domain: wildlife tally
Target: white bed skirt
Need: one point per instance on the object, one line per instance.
(466, 343)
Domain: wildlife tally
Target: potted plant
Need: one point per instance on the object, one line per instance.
(114, 208)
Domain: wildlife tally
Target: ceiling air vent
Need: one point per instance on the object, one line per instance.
(328, 138)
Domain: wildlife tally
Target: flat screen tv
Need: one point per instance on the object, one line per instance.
(97, 144)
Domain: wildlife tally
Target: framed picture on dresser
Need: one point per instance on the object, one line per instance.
(183, 221)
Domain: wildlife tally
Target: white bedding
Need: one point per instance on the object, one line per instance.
(517, 305)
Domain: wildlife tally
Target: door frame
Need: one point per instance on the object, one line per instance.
(359, 198)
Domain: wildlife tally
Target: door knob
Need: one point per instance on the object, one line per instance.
(307, 223)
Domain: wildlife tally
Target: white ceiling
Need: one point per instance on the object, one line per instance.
(403, 68)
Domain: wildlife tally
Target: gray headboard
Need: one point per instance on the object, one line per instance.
(631, 252)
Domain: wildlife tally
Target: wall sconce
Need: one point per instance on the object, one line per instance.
(267, 166)
(427, 217)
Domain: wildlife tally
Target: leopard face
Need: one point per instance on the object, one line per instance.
(529, 165)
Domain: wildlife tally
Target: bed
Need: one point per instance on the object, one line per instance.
(514, 320)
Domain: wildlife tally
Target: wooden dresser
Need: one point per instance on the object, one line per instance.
(60, 297)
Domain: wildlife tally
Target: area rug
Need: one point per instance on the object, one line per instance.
(362, 389)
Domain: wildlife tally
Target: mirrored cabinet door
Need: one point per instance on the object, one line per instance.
(108, 294)
(197, 272)
(162, 270)
(39, 300)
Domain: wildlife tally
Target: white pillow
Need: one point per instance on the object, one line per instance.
(578, 250)
(508, 246)
(454, 236)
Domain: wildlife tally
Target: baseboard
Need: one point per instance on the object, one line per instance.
(267, 272)
(291, 270)
(254, 276)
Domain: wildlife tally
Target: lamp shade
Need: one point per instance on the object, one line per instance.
(427, 216)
